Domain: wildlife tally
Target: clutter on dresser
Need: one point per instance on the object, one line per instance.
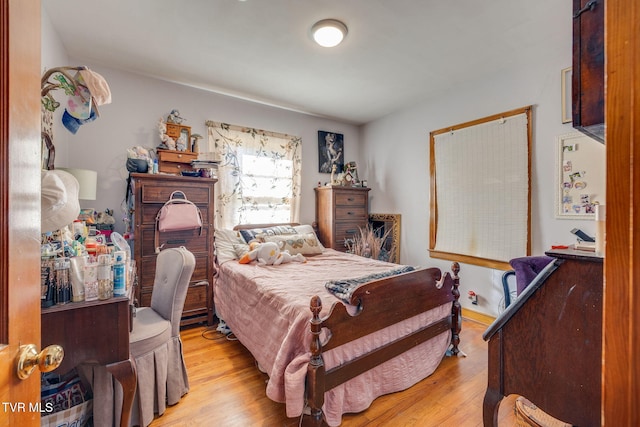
(83, 262)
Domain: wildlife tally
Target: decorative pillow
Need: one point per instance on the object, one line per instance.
(276, 230)
(225, 242)
(305, 229)
(305, 244)
(241, 249)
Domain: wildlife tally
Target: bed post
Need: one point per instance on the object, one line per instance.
(456, 310)
(315, 369)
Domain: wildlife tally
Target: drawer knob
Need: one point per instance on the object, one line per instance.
(350, 231)
(351, 199)
(350, 213)
(179, 156)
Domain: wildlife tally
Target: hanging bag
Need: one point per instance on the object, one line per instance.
(177, 214)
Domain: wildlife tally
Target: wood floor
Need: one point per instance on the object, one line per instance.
(227, 390)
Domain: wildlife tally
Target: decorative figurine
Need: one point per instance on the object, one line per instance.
(174, 117)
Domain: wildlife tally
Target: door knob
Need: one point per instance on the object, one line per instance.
(47, 360)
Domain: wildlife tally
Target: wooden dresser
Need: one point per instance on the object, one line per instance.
(150, 192)
(340, 213)
(547, 346)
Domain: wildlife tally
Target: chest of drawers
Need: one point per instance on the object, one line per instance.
(340, 213)
(150, 192)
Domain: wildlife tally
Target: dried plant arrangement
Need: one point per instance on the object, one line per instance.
(370, 244)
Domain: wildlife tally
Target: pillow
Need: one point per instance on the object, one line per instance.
(240, 249)
(305, 244)
(276, 230)
(225, 244)
(307, 228)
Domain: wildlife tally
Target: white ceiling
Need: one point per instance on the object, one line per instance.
(397, 53)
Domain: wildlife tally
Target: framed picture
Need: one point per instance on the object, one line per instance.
(566, 96)
(330, 151)
(580, 176)
(388, 225)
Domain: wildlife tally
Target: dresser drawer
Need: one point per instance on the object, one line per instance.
(173, 168)
(346, 230)
(196, 302)
(351, 198)
(176, 156)
(147, 271)
(351, 213)
(157, 192)
(190, 239)
(149, 212)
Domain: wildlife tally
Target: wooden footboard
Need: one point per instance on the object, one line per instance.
(380, 303)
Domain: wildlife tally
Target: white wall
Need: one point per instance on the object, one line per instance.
(396, 156)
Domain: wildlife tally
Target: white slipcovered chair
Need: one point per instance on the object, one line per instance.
(155, 346)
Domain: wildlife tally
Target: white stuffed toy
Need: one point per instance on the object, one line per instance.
(268, 253)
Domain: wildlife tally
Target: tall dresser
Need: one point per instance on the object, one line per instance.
(340, 213)
(150, 192)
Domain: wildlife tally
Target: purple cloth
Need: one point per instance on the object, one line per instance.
(527, 268)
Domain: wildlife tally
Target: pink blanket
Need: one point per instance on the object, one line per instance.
(267, 308)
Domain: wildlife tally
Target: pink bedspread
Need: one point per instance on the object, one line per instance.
(267, 308)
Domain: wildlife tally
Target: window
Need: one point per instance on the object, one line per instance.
(258, 176)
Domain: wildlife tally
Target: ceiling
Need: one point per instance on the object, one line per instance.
(397, 52)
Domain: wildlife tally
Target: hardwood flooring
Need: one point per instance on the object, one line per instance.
(227, 389)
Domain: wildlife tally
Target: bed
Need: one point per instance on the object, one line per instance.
(325, 357)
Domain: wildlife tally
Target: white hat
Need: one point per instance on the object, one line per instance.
(59, 200)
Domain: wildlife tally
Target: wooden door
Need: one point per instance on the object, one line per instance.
(20, 206)
(621, 339)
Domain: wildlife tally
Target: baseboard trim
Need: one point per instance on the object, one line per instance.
(485, 319)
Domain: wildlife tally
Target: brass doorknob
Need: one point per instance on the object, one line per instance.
(47, 360)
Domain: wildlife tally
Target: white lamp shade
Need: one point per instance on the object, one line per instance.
(88, 181)
(328, 32)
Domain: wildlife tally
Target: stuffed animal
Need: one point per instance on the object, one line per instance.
(167, 142)
(268, 253)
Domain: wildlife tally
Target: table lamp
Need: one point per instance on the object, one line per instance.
(88, 181)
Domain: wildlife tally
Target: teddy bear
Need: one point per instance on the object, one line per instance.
(269, 253)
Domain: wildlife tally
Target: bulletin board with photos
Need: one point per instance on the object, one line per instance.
(581, 178)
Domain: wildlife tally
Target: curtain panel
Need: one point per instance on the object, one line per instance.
(259, 175)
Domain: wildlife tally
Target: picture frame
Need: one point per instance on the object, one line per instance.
(381, 223)
(330, 151)
(580, 176)
(567, 105)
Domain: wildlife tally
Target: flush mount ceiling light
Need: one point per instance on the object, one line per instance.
(328, 32)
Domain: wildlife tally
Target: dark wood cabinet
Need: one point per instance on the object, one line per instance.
(340, 213)
(150, 193)
(94, 332)
(547, 346)
(587, 85)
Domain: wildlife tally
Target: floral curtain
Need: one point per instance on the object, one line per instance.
(259, 175)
